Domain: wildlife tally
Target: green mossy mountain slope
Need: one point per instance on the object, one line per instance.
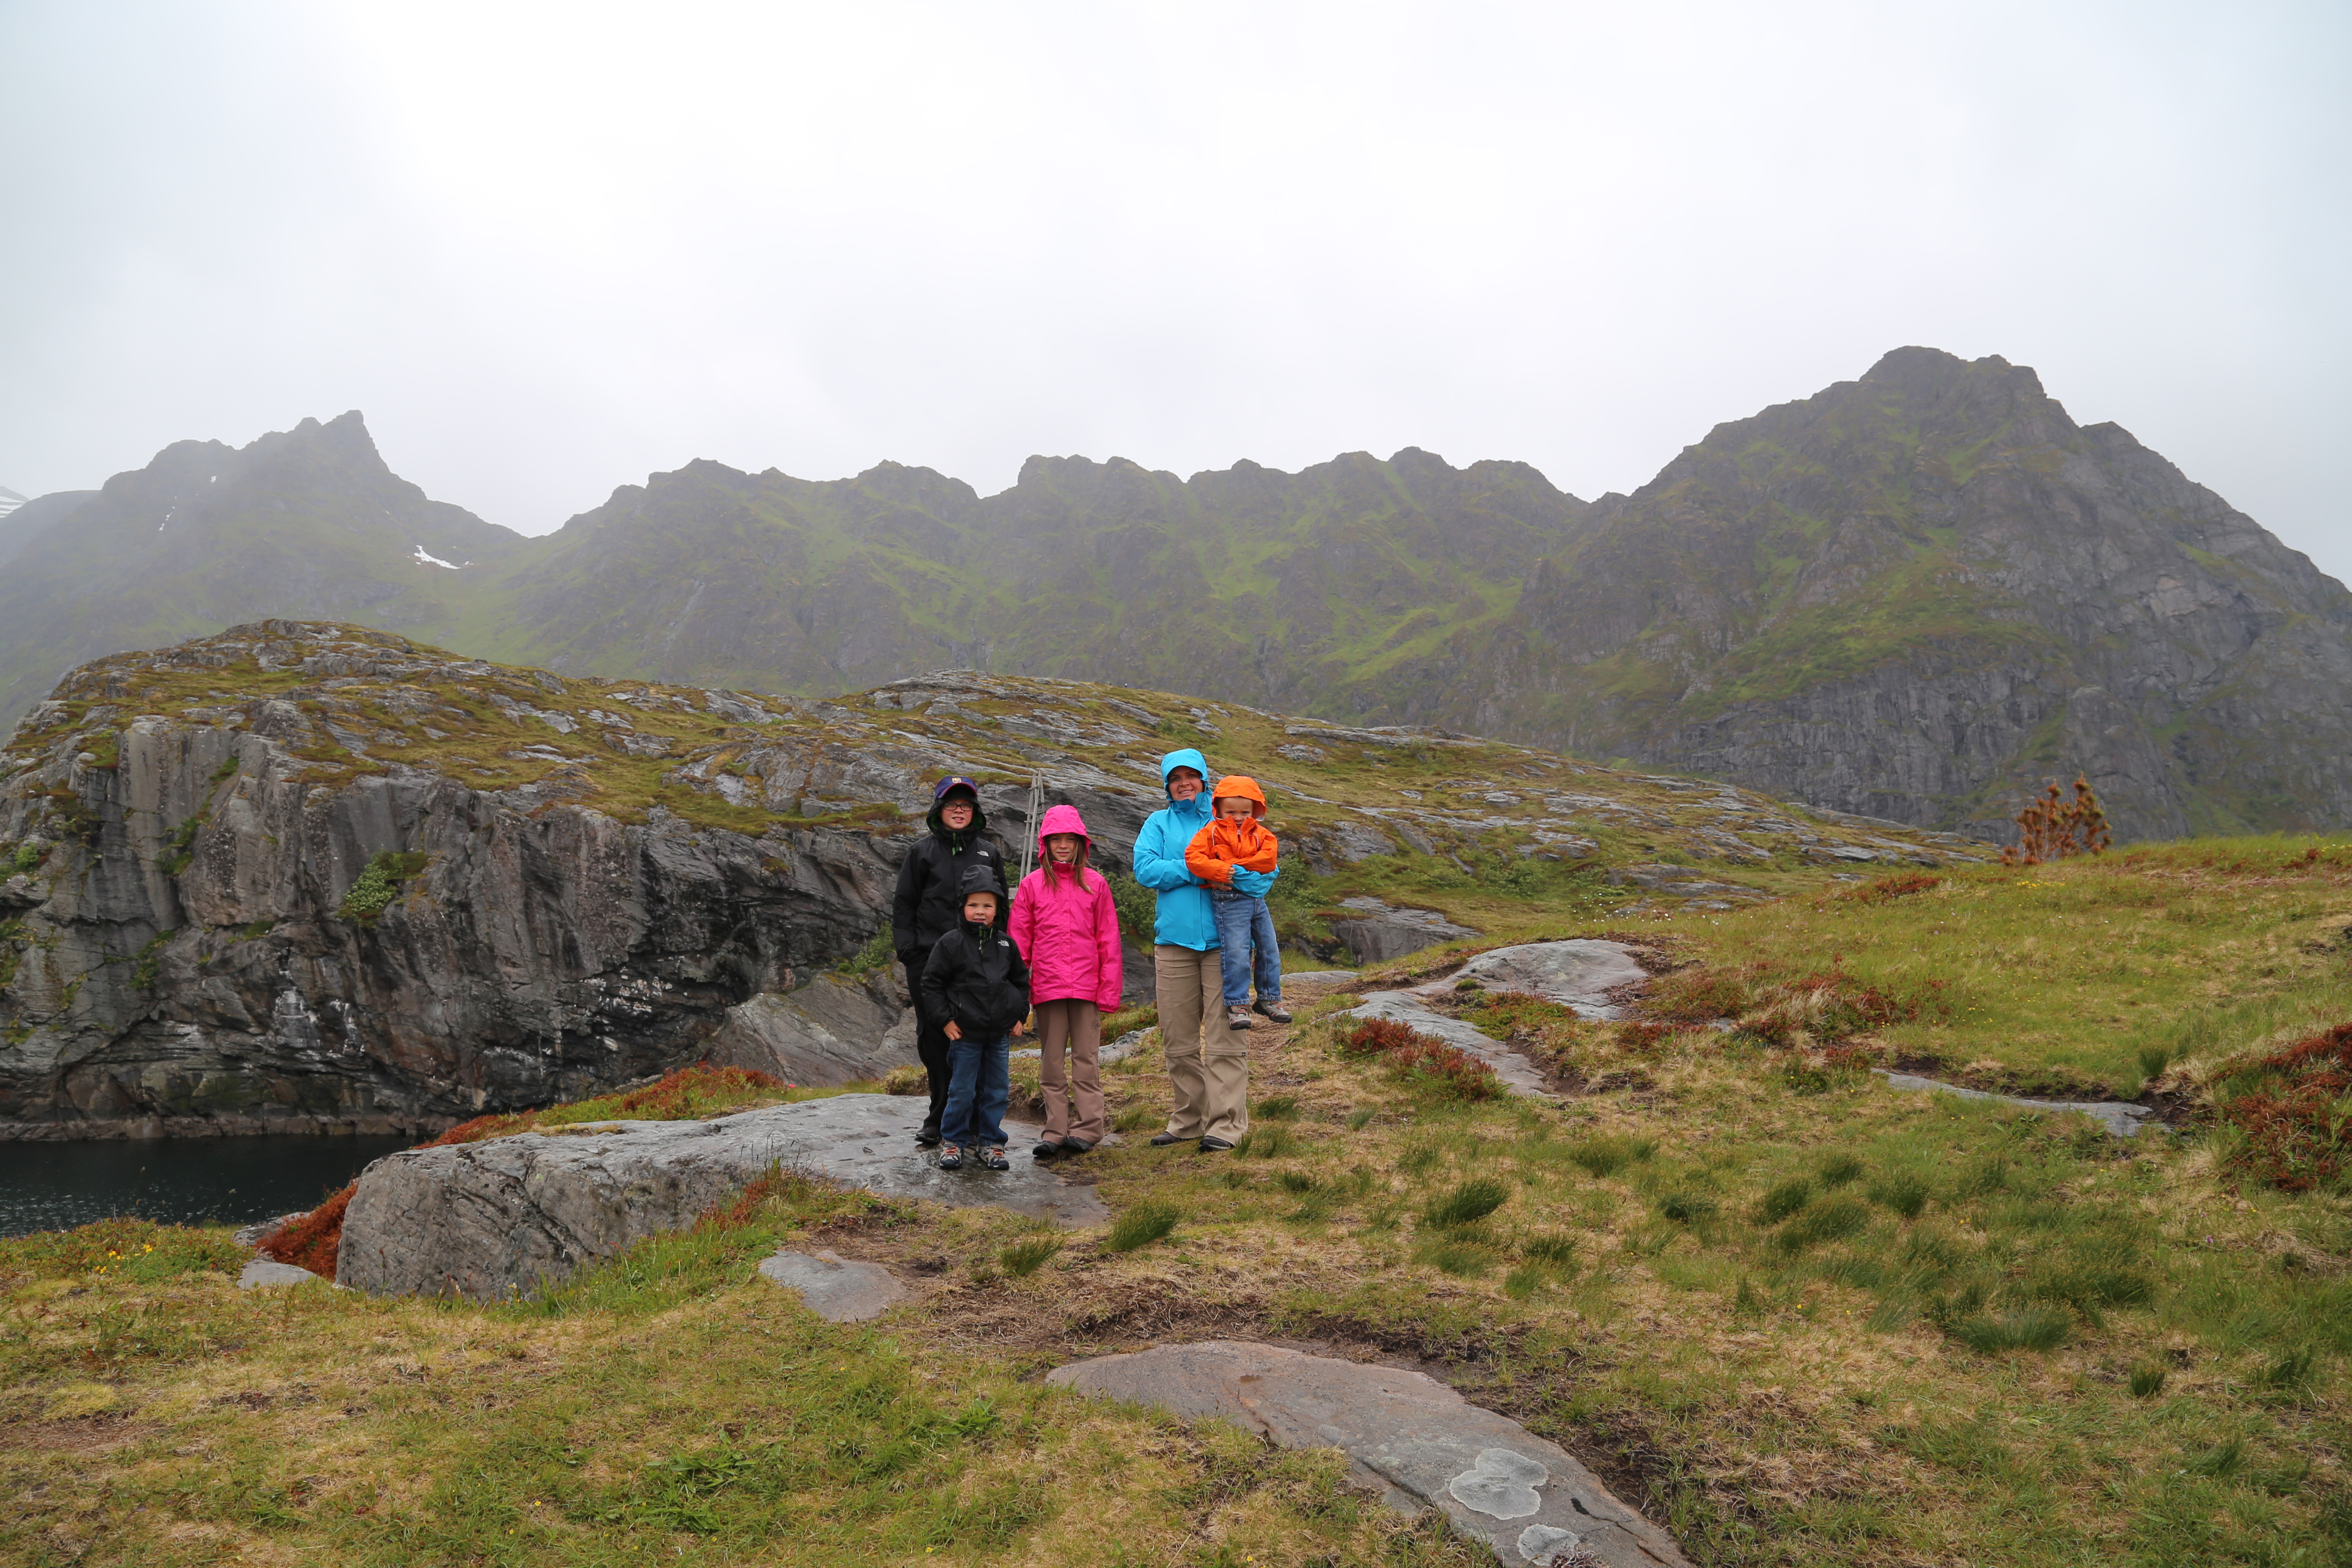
(1911, 595)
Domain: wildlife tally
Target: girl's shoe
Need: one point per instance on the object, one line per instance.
(992, 1156)
(1273, 1010)
(1237, 1018)
(951, 1157)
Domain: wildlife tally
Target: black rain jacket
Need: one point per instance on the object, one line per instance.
(977, 978)
(930, 881)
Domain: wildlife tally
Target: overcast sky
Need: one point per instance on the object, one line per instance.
(547, 250)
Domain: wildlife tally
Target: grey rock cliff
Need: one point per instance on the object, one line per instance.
(179, 960)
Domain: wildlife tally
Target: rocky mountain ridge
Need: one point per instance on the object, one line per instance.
(1912, 596)
(306, 876)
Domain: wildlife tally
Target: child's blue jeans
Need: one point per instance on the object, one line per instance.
(980, 1086)
(1245, 924)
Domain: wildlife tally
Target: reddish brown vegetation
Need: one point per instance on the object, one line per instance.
(1421, 1059)
(310, 1241)
(2295, 1115)
(1698, 996)
(1640, 1036)
(2055, 828)
(744, 1207)
(1901, 885)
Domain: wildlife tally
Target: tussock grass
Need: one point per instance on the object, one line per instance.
(1466, 1204)
(1141, 1225)
(1024, 1257)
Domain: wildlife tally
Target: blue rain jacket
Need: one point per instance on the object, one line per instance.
(1182, 917)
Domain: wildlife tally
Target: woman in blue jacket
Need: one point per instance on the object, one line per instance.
(1208, 1064)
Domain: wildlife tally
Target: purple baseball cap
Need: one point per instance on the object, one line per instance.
(954, 781)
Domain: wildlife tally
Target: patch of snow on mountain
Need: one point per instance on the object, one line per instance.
(423, 559)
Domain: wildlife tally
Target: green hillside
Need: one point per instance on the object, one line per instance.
(1910, 597)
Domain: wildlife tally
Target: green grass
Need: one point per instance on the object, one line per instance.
(1142, 1224)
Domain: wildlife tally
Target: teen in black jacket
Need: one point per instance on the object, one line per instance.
(928, 905)
(977, 983)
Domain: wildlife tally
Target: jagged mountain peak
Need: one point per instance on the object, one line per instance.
(1910, 595)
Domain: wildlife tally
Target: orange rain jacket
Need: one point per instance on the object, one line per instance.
(1227, 842)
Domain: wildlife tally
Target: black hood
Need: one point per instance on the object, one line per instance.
(940, 829)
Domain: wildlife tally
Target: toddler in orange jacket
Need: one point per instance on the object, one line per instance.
(1235, 856)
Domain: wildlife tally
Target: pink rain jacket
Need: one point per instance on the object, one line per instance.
(1065, 925)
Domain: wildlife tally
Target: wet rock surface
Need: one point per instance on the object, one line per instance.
(497, 1220)
(2121, 1118)
(1416, 1440)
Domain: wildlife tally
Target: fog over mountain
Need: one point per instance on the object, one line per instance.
(544, 248)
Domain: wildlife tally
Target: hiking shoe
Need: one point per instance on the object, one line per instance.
(1237, 1018)
(1273, 1010)
(992, 1156)
(1162, 1139)
(1047, 1151)
(1077, 1146)
(951, 1157)
(929, 1138)
(1212, 1144)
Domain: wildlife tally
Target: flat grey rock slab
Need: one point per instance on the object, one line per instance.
(832, 1287)
(1577, 974)
(498, 1218)
(264, 1273)
(1407, 1008)
(2120, 1118)
(1416, 1440)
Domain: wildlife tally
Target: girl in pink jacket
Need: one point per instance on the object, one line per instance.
(1067, 929)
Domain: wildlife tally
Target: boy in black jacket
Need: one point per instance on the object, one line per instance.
(928, 905)
(978, 985)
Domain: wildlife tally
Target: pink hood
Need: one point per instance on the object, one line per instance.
(1065, 925)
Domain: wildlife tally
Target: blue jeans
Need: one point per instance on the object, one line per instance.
(980, 1086)
(1244, 922)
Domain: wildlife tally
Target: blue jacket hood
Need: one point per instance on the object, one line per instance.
(1186, 758)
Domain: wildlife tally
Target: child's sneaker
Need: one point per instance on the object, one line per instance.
(951, 1157)
(1238, 1018)
(993, 1157)
(1273, 1010)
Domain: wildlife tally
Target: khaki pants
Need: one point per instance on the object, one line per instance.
(1208, 1064)
(1075, 1026)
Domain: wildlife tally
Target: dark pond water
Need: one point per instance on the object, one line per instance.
(230, 1181)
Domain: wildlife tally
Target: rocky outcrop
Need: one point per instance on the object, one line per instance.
(498, 1218)
(1583, 975)
(837, 1029)
(1375, 931)
(183, 956)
